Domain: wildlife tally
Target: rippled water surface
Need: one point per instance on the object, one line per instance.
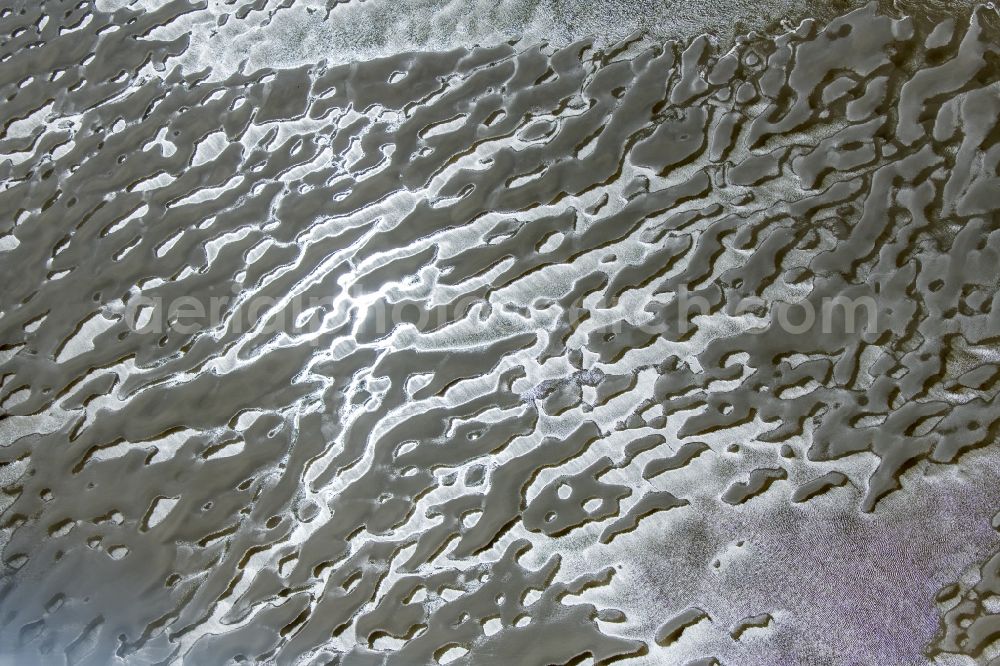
(332, 333)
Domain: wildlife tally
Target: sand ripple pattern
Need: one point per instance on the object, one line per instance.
(441, 401)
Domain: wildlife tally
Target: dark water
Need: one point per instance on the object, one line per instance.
(485, 353)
